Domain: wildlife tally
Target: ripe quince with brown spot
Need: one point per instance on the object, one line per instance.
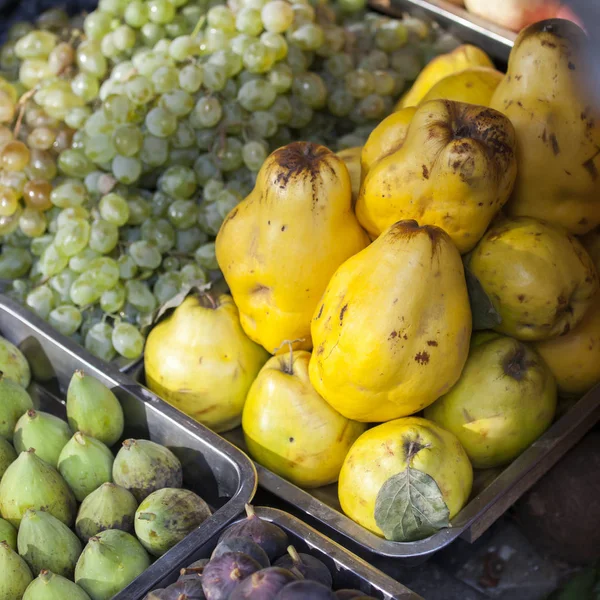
(504, 400)
(455, 170)
(290, 429)
(392, 330)
(547, 97)
(539, 278)
(279, 247)
(200, 360)
(460, 58)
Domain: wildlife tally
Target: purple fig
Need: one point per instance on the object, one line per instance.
(263, 585)
(223, 574)
(303, 590)
(310, 567)
(246, 546)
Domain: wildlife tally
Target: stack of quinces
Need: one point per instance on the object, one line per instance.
(448, 266)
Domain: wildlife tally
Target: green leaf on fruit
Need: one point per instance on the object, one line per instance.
(485, 316)
(410, 506)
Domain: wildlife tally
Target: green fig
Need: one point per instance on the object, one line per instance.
(108, 507)
(50, 586)
(8, 534)
(29, 482)
(143, 467)
(85, 463)
(15, 402)
(15, 575)
(166, 516)
(13, 364)
(7, 455)
(44, 432)
(110, 562)
(47, 543)
(93, 409)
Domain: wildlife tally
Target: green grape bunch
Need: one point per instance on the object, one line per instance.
(128, 134)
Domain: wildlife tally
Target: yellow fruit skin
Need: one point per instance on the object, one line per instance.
(291, 430)
(574, 358)
(460, 58)
(392, 331)
(540, 279)
(387, 137)
(351, 158)
(381, 452)
(591, 242)
(546, 96)
(455, 170)
(279, 247)
(200, 360)
(504, 400)
(475, 85)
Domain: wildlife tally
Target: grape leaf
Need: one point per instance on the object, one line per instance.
(485, 316)
(410, 506)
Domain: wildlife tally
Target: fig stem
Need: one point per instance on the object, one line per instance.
(294, 555)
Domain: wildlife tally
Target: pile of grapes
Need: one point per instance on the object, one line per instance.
(128, 134)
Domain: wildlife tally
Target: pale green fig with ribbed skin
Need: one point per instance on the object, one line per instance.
(7, 455)
(85, 463)
(166, 516)
(44, 432)
(8, 534)
(50, 586)
(15, 402)
(109, 507)
(93, 409)
(142, 467)
(13, 364)
(47, 543)
(29, 482)
(15, 575)
(110, 561)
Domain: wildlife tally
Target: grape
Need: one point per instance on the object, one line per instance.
(72, 237)
(215, 77)
(7, 107)
(183, 214)
(124, 38)
(35, 44)
(308, 37)
(301, 114)
(205, 169)
(193, 274)
(100, 148)
(52, 261)
(248, 20)
(14, 156)
(183, 47)
(160, 233)
(140, 296)
(257, 95)
(209, 218)
(254, 155)
(310, 89)
(340, 102)
(177, 102)
(14, 262)
(226, 201)
(184, 136)
(84, 290)
(360, 83)
(98, 341)
(41, 301)
(127, 267)
(165, 79)
(155, 151)
(239, 44)
(139, 210)
(61, 283)
(179, 182)
(136, 13)
(190, 78)
(103, 236)
(372, 107)
(152, 33)
(221, 17)
(391, 35)
(277, 16)
(9, 202)
(275, 42)
(81, 261)
(167, 285)
(258, 58)
(73, 163)
(126, 169)
(104, 272)
(207, 112)
(65, 319)
(139, 90)
(68, 214)
(281, 78)
(32, 223)
(160, 122)
(127, 340)
(127, 140)
(68, 194)
(339, 65)
(112, 300)
(145, 254)
(114, 209)
(90, 58)
(38, 245)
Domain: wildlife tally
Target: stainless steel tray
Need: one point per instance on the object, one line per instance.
(496, 41)
(213, 468)
(348, 570)
(494, 491)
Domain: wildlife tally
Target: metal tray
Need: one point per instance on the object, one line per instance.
(348, 570)
(494, 491)
(495, 40)
(213, 468)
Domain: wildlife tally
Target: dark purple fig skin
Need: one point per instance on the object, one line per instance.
(194, 571)
(272, 539)
(185, 590)
(263, 585)
(310, 567)
(352, 595)
(305, 590)
(244, 545)
(224, 574)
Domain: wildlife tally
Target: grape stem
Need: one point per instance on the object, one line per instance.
(22, 102)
